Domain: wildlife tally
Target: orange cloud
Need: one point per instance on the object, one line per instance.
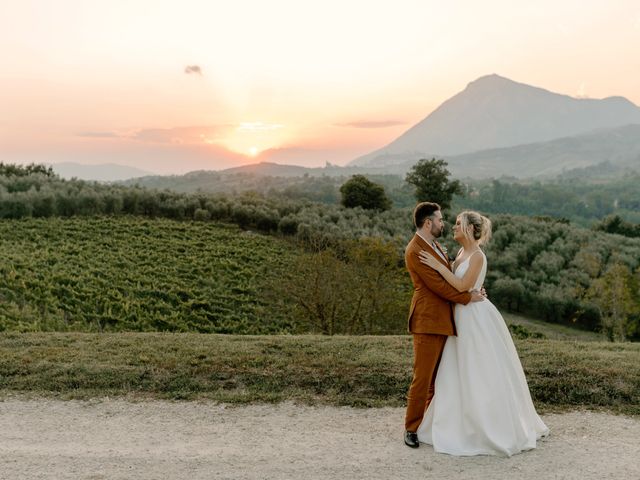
(98, 134)
(371, 124)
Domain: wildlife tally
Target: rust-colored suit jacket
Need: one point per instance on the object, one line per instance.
(431, 305)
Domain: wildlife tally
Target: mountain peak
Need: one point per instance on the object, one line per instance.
(496, 112)
(491, 78)
(491, 81)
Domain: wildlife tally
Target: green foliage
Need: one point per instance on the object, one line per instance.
(521, 332)
(56, 271)
(128, 273)
(10, 169)
(579, 200)
(616, 295)
(321, 188)
(115, 274)
(616, 224)
(356, 287)
(545, 269)
(359, 191)
(431, 179)
(39, 196)
(34, 193)
(510, 291)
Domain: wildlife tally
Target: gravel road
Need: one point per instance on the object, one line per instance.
(119, 439)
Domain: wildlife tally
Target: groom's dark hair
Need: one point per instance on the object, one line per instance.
(423, 211)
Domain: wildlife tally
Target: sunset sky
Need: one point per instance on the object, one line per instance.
(173, 86)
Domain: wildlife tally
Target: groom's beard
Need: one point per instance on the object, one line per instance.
(436, 232)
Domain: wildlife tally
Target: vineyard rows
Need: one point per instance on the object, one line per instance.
(136, 274)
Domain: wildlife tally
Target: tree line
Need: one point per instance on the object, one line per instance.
(579, 199)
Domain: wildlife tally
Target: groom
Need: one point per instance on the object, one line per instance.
(431, 314)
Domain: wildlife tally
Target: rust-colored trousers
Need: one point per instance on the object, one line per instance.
(427, 350)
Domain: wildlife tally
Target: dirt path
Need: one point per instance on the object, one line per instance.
(116, 439)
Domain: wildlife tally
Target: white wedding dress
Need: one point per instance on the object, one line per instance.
(482, 404)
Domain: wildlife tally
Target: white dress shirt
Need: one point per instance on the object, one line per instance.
(433, 245)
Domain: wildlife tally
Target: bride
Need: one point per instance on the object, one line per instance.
(482, 404)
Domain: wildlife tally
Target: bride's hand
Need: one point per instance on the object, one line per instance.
(429, 260)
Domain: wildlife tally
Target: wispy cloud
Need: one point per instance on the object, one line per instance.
(194, 135)
(258, 126)
(371, 124)
(195, 69)
(98, 134)
(181, 135)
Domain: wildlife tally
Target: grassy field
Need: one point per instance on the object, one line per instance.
(553, 331)
(356, 371)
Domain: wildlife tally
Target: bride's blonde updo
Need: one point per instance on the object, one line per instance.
(475, 226)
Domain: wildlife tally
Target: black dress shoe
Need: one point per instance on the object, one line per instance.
(411, 439)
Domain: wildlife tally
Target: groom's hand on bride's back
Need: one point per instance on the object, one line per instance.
(477, 296)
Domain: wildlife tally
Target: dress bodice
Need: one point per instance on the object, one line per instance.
(462, 268)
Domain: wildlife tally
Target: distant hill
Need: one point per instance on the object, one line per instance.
(246, 176)
(277, 170)
(618, 147)
(270, 169)
(106, 172)
(608, 152)
(495, 112)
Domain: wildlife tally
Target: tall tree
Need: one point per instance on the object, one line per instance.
(359, 191)
(7, 169)
(613, 294)
(431, 179)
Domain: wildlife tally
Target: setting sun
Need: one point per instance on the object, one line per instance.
(253, 151)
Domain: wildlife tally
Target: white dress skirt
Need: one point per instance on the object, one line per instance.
(482, 404)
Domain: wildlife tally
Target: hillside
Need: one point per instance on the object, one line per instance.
(136, 274)
(618, 147)
(175, 265)
(141, 274)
